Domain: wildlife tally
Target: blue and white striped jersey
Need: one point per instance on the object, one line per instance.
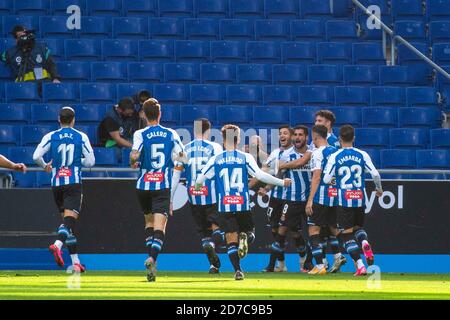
(332, 141)
(198, 153)
(325, 194)
(301, 180)
(70, 150)
(159, 148)
(277, 192)
(348, 165)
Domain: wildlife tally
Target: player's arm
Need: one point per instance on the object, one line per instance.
(262, 176)
(295, 164)
(8, 164)
(207, 173)
(176, 179)
(41, 150)
(370, 168)
(135, 154)
(88, 153)
(178, 153)
(330, 169)
(113, 130)
(316, 168)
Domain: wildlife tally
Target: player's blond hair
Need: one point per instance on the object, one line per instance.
(231, 134)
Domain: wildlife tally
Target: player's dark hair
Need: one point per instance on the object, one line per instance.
(143, 96)
(152, 109)
(16, 29)
(327, 114)
(302, 127)
(126, 103)
(230, 131)
(66, 115)
(286, 126)
(347, 133)
(321, 130)
(203, 124)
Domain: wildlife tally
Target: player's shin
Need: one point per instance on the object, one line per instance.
(218, 237)
(157, 244)
(232, 250)
(71, 243)
(149, 231)
(65, 230)
(352, 248)
(317, 251)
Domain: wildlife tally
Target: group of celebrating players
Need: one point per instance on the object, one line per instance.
(318, 189)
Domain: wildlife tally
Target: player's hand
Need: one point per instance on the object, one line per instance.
(379, 193)
(20, 167)
(287, 182)
(262, 191)
(48, 167)
(281, 165)
(308, 208)
(135, 165)
(198, 186)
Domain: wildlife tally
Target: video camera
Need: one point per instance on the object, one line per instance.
(27, 40)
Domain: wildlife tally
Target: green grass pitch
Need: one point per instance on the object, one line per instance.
(195, 285)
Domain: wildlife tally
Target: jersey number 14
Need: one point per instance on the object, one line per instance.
(234, 182)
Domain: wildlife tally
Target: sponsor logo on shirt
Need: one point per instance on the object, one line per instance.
(154, 177)
(64, 172)
(354, 195)
(233, 200)
(202, 192)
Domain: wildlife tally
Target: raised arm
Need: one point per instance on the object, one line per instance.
(297, 163)
(88, 153)
(330, 169)
(262, 176)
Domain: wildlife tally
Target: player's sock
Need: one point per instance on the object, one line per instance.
(351, 246)
(359, 263)
(333, 243)
(158, 241)
(250, 237)
(65, 229)
(361, 235)
(71, 244)
(218, 238)
(300, 244)
(149, 231)
(59, 244)
(232, 250)
(317, 251)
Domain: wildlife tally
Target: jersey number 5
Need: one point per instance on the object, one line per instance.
(158, 157)
(67, 151)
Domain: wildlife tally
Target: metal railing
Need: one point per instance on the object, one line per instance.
(396, 38)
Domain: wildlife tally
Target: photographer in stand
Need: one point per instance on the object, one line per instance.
(30, 60)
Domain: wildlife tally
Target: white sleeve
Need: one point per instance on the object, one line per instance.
(88, 153)
(175, 181)
(42, 149)
(272, 157)
(178, 153)
(316, 160)
(217, 148)
(138, 141)
(256, 172)
(330, 169)
(370, 168)
(207, 171)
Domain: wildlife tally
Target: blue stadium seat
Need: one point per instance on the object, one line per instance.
(290, 74)
(105, 157)
(280, 95)
(374, 154)
(298, 52)
(361, 75)
(89, 113)
(211, 8)
(211, 94)
(74, 70)
(433, 159)
(145, 72)
(119, 50)
(171, 93)
(236, 29)
(398, 158)
(305, 115)
(59, 7)
(334, 52)
(45, 113)
(263, 52)
(140, 8)
(316, 9)
(14, 113)
(438, 9)
(201, 29)
(441, 53)
(325, 74)
(2, 92)
(347, 115)
(395, 76)
(43, 179)
(109, 71)
(9, 135)
(32, 135)
(421, 97)
(411, 30)
(380, 117)
(29, 22)
(376, 138)
(103, 7)
(247, 9)
(170, 115)
(388, 96)
(21, 92)
(166, 28)
(192, 51)
(407, 57)
(228, 51)
(254, 73)
(282, 9)
(408, 10)
(271, 30)
(270, 115)
(27, 180)
(55, 27)
(83, 49)
(6, 7)
(439, 32)
(218, 73)
(156, 50)
(130, 28)
(307, 30)
(5, 74)
(341, 30)
(22, 155)
(132, 89)
(31, 7)
(440, 138)
(56, 47)
(241, 115)
(429, 117)
(316, 96)
(352, 96)
(97, 93)
(244, 94)
(96, 27)
(190, 113)
(65, 92)
(178, 8)
(413, 138)
(368, 53)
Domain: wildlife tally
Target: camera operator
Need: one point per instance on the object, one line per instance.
(29, 60)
